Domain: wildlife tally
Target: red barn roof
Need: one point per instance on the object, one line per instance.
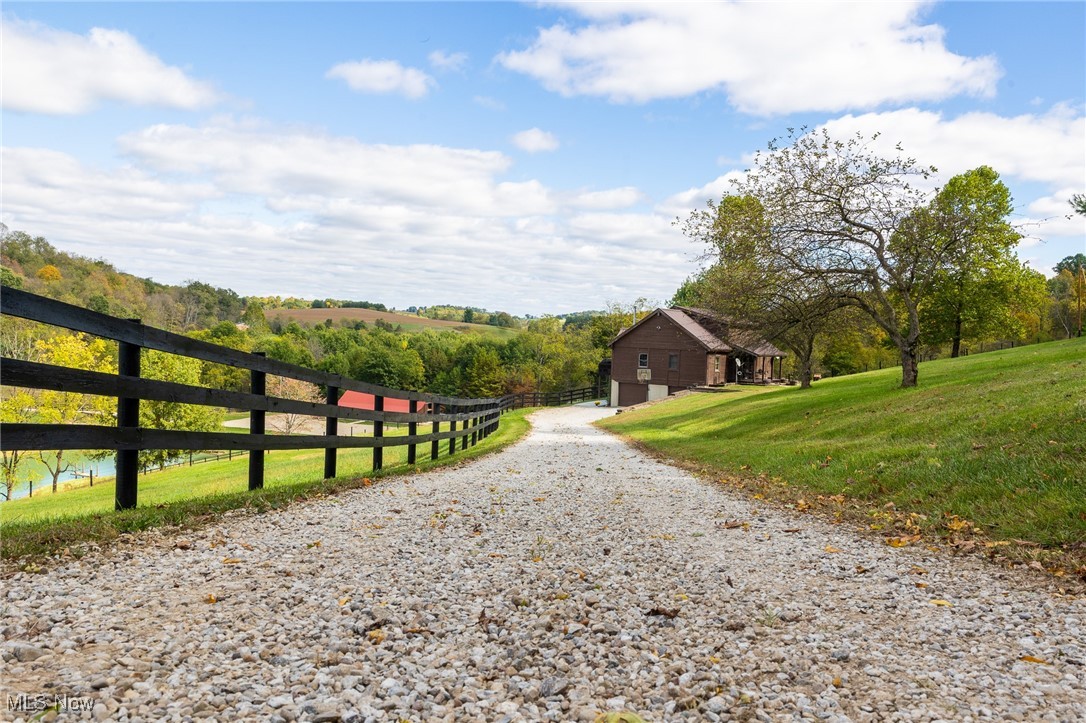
(363, 400)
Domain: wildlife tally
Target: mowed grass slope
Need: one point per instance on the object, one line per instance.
(189, 496)
(997, 439)
(409, 322)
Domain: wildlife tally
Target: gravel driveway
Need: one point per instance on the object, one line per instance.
(566, 576)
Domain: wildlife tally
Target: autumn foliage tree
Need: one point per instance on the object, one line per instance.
(860, 227)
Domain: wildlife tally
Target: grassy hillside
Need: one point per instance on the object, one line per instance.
(990, 447)
(195, 495)
(407, 321)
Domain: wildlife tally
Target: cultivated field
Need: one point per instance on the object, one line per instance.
(409, 322)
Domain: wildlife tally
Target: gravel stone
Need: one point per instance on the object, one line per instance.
(565, 577)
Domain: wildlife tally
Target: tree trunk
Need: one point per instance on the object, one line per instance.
(806, 352)
(909, 363)
(956, 347)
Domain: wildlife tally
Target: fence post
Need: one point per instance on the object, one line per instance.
(128, 415)
(467, 423)
(257, 385)
(452, 428)
(412, 430)
(434, 445)
(378, 432)
(474, 424)
(331, 429)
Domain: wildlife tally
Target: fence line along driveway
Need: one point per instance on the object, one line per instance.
(566, 576)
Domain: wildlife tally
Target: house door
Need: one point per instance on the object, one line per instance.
(632, 394)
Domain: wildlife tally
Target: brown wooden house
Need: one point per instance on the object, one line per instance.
(674, 349)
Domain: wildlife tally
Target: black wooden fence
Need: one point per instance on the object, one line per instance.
(476, 418)
(552, 399)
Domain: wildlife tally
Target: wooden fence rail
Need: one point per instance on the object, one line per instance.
(552, 399)
(477, 418)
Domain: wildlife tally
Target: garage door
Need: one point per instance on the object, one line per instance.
(632, 394)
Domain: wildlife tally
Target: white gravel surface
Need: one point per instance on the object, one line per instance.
(564, 577)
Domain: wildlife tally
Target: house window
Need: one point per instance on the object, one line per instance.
(673, 362)
(716, 364)
(643, 361)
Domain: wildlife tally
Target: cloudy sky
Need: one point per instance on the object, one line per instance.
(523, 157)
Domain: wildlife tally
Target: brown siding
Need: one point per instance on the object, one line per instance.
(658, 337)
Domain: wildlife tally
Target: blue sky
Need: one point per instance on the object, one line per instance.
(522, 157)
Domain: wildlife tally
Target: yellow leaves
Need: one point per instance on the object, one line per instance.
(860, 569)
(917, 570)
(942, 603)
(211, 599)
(561, 595)
(902, 541)
(681, 596)
(957, 525)
(802, 505)
(664, 536)
(231, 560)
(1031, 659)
(343, 601)
(831, 549)
(759, 496)
(376, 636)
(311, 545)
(921, 585)
(367, 482)
(539, 499)
(837, 682)
(733, 524)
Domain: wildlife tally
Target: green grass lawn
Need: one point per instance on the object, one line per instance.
(997, 439)
(192, 495)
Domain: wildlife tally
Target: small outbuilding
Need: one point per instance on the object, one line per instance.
(682, 347)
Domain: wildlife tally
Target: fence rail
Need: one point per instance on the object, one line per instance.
(551, 399)
(476, 418)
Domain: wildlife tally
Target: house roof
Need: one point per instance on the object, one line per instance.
(364, 400)
(706, 338)
(712, 331)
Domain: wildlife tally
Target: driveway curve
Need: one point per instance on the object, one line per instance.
(565, 577)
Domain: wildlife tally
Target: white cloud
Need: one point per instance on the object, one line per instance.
(611, 199)
(267, 209)
(441, 60)
(534, 140)
(1047, 148)
(769, 58)
(383, 76)
(488, 102)
(61, 73)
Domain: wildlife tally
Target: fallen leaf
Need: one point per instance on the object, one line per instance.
(664, 612)
(376, 636)
(539, 499)
(831, 549)
(860, 569)
(921, 585)
(794, 529)
(211, 599)
(942, 603)
(231, 560)
(1031, 659)
(730, 524)
(315, 543)
(343, 601)
(837, 682)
